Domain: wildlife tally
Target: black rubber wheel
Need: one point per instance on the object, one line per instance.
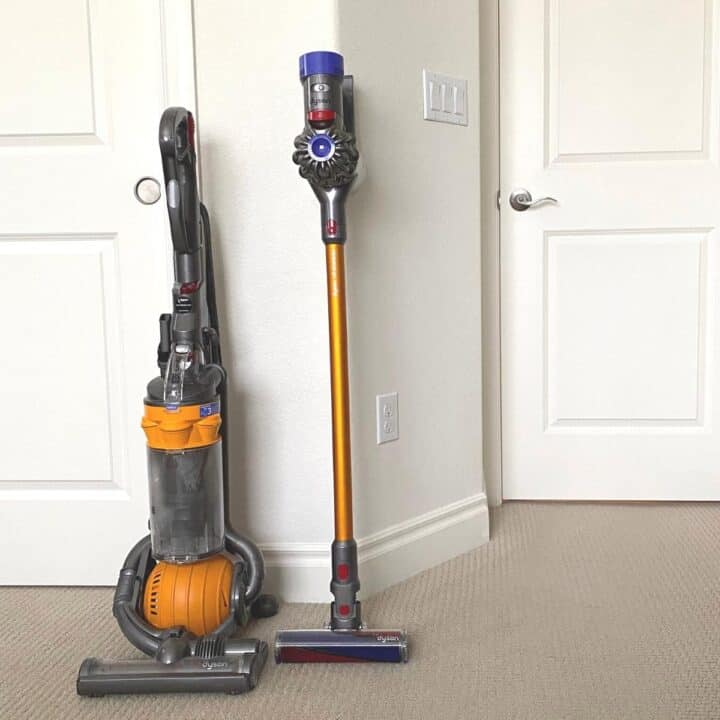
(264, 606)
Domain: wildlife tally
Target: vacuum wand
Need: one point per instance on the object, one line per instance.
(345, 609)
(327, 157)
(188, 345)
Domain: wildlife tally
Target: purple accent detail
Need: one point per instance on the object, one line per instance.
(310, 655)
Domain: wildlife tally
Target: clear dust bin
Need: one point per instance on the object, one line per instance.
(186, 503)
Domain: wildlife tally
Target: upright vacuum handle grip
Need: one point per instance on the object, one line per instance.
(177, 150)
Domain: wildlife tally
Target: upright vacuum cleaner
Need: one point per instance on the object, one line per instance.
(327, 158)
(185, 588)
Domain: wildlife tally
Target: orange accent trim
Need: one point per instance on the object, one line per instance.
(194, 596)
(340, 390)
(181, 429)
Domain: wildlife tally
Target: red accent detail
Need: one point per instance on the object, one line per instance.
(321, 115)
(344, 609)
(331, 227)
(189, 288)
(343, 571)
(301, 655)
(191, 130)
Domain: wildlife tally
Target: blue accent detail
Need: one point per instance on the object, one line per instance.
(321, 62)
(172, 407)
(322, 146)
(212, 408)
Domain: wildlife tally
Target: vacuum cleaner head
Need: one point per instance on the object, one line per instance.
(340, 646)
(232, 668)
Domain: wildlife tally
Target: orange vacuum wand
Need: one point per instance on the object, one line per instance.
(340, 392)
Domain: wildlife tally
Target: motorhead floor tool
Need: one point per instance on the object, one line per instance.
(327, 158)
(185, 589)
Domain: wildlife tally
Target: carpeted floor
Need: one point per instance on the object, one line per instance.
(571, 611)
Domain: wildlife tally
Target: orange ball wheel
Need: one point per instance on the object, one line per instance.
(195, 596)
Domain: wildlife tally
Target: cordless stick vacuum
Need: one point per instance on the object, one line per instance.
(327, 158)
(185, 589)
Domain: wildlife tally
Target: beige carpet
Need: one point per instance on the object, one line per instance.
(571, 611)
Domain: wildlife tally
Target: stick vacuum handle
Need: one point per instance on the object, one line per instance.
(177, 149)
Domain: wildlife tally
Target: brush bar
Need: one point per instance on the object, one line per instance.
(339, 646)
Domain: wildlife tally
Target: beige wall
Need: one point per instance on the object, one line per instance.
(413, 260)
(272, 284)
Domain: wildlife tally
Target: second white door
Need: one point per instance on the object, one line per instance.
(610, 301)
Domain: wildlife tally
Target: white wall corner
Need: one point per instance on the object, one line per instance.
(490, 246)
(300, 572)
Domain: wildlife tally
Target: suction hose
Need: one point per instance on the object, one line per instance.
(142, 635)
(253, 557)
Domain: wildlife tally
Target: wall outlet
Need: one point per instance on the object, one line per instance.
(386, 409)
(444, 98)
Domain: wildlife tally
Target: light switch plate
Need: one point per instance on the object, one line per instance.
(444, 98)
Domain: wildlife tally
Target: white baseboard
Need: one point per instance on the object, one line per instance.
(297, 572)
(300, 572)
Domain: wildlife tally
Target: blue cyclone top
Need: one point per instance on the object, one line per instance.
(321, 62)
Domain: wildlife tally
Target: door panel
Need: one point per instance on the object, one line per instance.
(614, 354)
(608, 298)
(83, 270)
(626, 78)
(48, 98)
(63, 390)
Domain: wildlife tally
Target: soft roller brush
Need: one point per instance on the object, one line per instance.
(327, 157)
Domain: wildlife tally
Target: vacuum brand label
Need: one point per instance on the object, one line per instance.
(215, 665)
(183, 304)
(212, 408)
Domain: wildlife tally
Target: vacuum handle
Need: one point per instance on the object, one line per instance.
(177, 149)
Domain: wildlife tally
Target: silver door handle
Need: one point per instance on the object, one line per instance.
(521, 200)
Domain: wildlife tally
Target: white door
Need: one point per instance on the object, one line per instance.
(83, 277)
(610, 358)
